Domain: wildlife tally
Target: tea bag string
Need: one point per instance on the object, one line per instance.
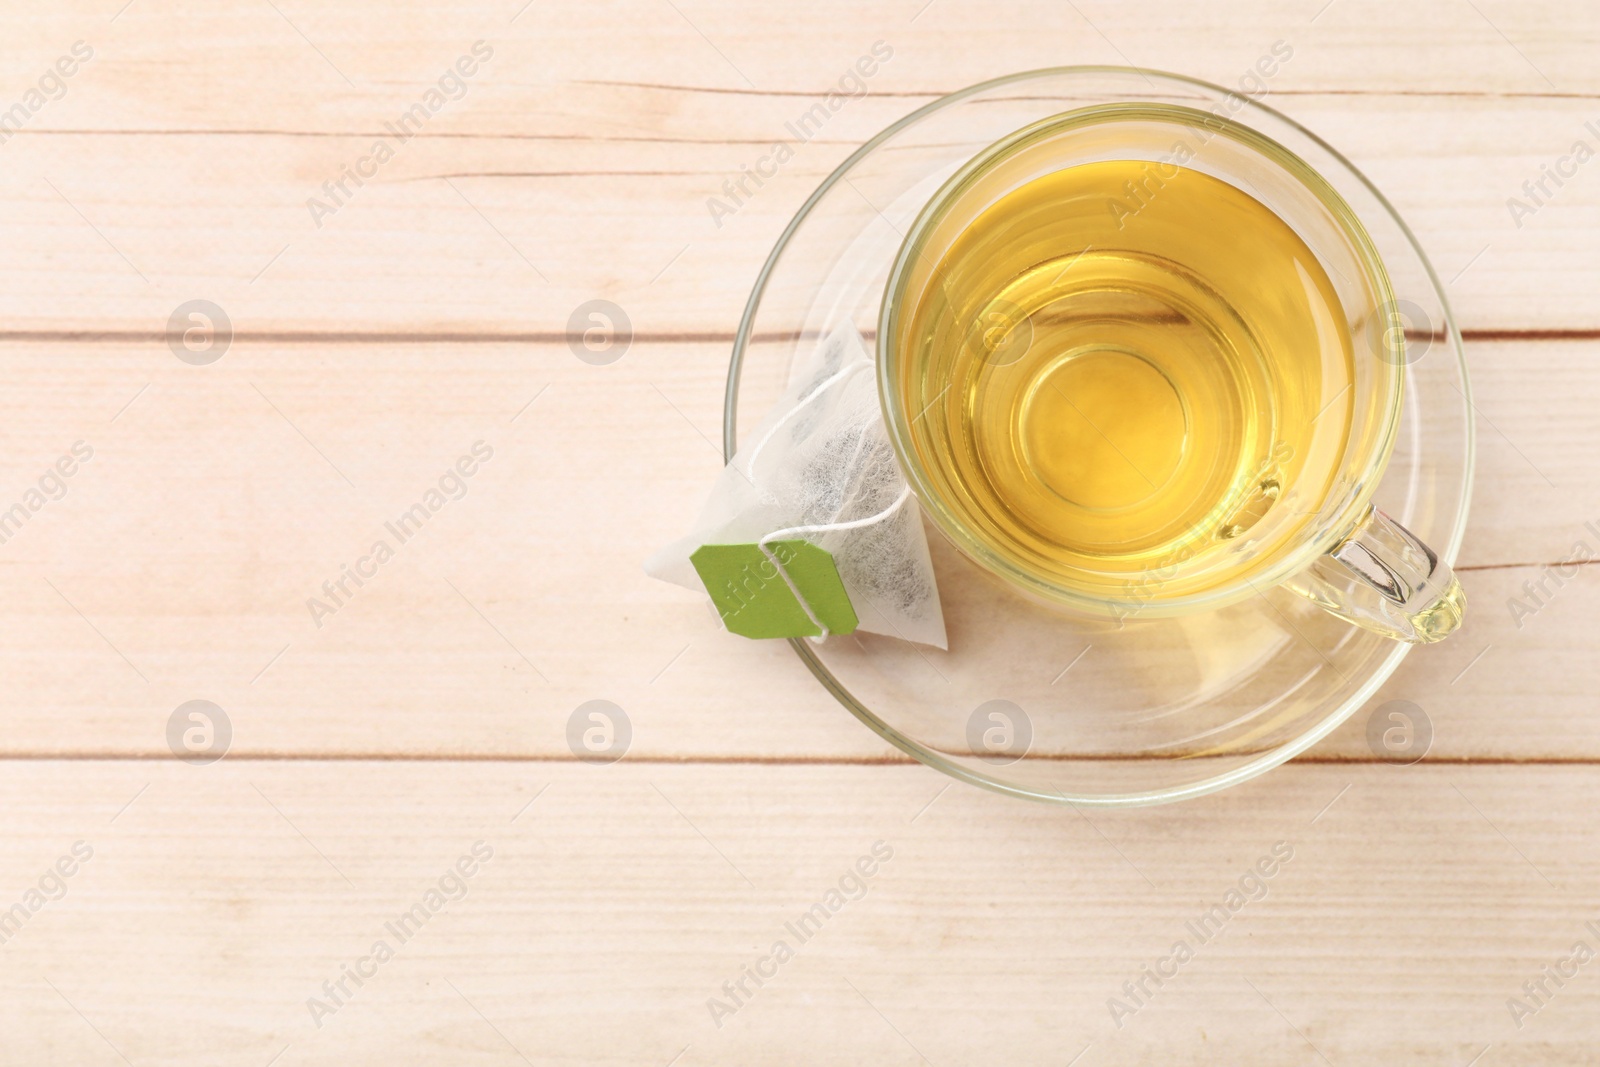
(824, 527)
(822, 387)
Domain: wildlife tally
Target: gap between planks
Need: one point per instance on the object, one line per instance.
(554, 337)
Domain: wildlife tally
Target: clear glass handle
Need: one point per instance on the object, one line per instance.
(1382, 577)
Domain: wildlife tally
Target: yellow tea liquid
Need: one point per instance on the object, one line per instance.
(1120, 375)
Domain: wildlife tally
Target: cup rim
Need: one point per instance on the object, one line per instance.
(1305, 549)
(1448, 550)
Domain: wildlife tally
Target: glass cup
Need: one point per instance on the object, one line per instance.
(1349, 558)
(1100, 714)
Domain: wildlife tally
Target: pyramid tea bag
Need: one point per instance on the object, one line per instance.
(818, 470)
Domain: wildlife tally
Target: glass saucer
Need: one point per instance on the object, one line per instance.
(1032, 702)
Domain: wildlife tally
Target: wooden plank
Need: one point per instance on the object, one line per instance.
(327, 66)
(497, 235)
(182, 560)
(618, 142)
(219, 899)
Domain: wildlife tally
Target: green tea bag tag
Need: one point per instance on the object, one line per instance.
(755, 592)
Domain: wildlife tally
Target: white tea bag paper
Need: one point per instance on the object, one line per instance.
(820, 468)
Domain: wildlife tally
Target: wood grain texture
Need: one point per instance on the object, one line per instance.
(495, 234)
(222, 498)
(429, 711)
(618, 142)
(615, 906)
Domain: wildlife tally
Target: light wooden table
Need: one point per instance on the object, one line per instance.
(378, 337)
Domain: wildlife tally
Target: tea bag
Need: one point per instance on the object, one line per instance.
(820, 469)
